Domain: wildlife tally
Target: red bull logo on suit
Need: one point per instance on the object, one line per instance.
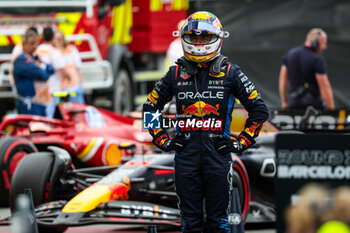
(200, 109)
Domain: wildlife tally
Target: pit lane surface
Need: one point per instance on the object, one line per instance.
(5, 212)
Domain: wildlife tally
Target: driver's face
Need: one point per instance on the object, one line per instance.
(200, 39)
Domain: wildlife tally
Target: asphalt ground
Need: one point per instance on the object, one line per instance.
(5, 212)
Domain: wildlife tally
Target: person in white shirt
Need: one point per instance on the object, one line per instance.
(50, 55)
(73, 82)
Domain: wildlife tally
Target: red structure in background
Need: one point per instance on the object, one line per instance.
(152, 29)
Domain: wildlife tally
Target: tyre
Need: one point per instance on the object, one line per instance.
(35, 172)
(49, 177)
(240, 180)
(123, 100)
(12, 151)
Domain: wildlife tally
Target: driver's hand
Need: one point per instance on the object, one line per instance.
(226, 145)
(166, 144)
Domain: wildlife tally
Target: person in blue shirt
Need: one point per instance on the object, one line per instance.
(31, 77)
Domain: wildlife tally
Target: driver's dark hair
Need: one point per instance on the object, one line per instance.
(47, 34)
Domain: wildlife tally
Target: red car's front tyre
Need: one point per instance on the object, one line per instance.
(12, 151)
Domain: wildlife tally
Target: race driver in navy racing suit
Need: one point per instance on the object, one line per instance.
(205, 86)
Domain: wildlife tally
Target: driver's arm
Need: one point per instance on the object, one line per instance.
(157, 98)
(250, 98)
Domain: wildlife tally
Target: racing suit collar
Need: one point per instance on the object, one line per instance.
(202, 65)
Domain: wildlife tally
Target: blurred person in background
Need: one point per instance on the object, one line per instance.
(30, 79)
(16, 51)
(72, 83)
(175, 50)
(304, 215)
(300, 218)
(319, 209)
(50, 55)
(340, 206)
(303, 79)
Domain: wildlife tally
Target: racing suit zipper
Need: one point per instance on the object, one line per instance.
(199, 99)
(200, 75)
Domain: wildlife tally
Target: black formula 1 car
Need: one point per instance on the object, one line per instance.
(140, 191)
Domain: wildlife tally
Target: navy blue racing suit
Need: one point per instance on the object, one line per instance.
(204, 102)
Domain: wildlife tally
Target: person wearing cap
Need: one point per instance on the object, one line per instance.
(303, 79)
(205, 85)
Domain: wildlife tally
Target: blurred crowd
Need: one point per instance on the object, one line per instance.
(44, 70)
(319, 209)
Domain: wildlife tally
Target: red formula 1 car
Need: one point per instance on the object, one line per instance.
(92, 136)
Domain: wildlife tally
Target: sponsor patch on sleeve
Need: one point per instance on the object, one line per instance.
(156, 131)
(150, 98)
(254, 129)
(253, 95)
(155, 94)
